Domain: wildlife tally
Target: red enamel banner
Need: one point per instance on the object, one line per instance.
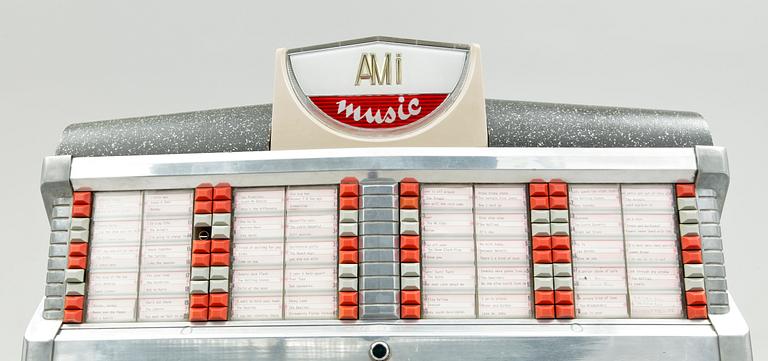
(378, 111)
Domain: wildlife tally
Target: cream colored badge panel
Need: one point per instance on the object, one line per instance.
(461, 121)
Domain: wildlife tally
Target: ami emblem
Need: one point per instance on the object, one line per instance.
(377, 83)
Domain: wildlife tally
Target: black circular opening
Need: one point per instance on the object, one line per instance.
(379, 351)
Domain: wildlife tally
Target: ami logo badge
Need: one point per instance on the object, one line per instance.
(377, 84)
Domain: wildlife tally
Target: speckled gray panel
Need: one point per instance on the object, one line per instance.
(239, 129)
(528, 124)
(510, 124)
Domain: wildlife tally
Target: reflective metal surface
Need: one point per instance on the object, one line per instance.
(54, 180)
(445, 165)
(38, 339)
(544, 341)
(712, 163)
(723, 337)
(733, 334)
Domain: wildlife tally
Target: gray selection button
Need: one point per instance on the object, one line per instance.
(379, 201)
(380, 269)
(379, 241)
(379, 255)
(378, 189)
(380, 283)
(379, 297)
(380, 312)
(379, 215)
(379, 228)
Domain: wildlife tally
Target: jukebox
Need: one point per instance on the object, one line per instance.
(382, 208)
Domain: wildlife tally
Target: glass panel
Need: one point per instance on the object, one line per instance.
(166, 247)
(311, 252)
(448, 261)
(597, 236)
(503, 262)
(113, 258)
(653, 263)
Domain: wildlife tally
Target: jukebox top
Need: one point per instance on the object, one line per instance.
(382, 198)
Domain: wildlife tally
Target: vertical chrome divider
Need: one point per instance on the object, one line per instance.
(679, 249)
(531, 274)
(474, 239)
(421, 245)
(141, 248)
(87, 276)
(231, 266)
(285, 243)
(570, 235)
(624, 241)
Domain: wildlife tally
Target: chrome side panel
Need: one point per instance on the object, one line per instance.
(54, 180)
(732, 334)
(38, 339)
(712, 164)
(445, 165)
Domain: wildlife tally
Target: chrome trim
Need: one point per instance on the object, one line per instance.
(725, 338)
(558, 341)
(379, 39)
(733, 336)
(712, 163)
(429, 165)
(54, 180)
(327, 323)
(39, 336)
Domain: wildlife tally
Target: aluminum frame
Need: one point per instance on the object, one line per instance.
(722, 337)
(428, 165)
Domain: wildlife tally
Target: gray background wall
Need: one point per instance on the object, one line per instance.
(72, 61)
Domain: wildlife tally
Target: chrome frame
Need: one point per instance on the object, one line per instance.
(54, 180)
(722, 337)
(712, 164)
(428, 165)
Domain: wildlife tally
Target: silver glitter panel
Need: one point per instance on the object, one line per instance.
(239, 129)
(529, 124)
(510, 124)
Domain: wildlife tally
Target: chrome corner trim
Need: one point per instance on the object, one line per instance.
(54, 180)
(712, 163)
(732, 334)
(379, 39)
(39, 337)
(444, 165)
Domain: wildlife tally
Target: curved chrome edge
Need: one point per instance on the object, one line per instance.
(79, 341)
(365, 323)
(713, 173)
(54, 180)
(414, 342)
(732, 334)
(435, 165)
(39, 337)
